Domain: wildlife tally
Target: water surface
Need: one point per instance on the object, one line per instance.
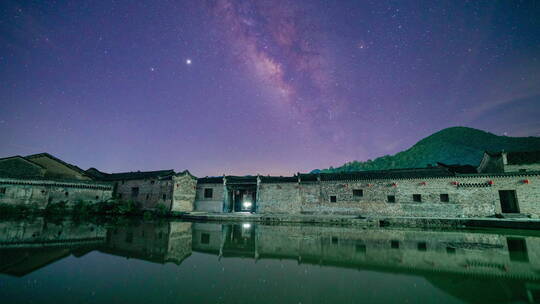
(66, 261)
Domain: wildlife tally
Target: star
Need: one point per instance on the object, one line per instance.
(188, 61)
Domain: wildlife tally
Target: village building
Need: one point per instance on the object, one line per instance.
(499, 162)
(42, 179)
(163, 189)
(435, 191)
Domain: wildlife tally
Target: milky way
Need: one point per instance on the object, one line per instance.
(270, 87)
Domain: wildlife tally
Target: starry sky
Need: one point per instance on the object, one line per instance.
(269, 87)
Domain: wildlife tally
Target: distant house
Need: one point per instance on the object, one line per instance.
(499, 162)
(174, 191)
(42, 179)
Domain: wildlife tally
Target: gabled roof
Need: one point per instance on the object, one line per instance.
(523, 158)
(73, 167)
(129, 175)
(10, 168)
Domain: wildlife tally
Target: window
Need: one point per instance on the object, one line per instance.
(422, 246)
(208, 193)
(97, 197)
(391, 198)
(333, 199)
(360, 248)
(119, 195)
(122, 182)
(147, 196)
(205, 238)
(445, 198)
(129, 237)
(417, 198)
(394, 244)
(152, 182)
(358, 192)
(334, 240)
(164, 196)
(450, 250)
(517, 249)
(134, 191)
(2, 190)
(66, 193)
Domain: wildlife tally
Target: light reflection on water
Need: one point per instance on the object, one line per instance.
(191, 262)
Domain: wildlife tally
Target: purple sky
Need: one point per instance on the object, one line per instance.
(269, 87)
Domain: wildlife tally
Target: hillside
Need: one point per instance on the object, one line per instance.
(456, 145)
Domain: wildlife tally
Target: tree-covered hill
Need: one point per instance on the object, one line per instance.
(456, 145)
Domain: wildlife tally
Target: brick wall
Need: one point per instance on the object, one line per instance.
(474, 196)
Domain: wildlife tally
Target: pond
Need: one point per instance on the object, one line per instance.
(66, 261)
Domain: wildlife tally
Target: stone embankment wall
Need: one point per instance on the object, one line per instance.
(463, 196)
(40, 193)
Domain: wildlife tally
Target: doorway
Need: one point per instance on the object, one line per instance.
(509, 203)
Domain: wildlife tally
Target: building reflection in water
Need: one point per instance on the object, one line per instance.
(461, 263)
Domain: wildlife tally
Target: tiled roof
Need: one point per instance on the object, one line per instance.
(73, 167)
(210, 180)
(279, 179)
(20, 167)
(129, 175)
(381, 174)
(523, 158)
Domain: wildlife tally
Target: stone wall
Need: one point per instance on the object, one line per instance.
(42, 192)
(151, 193)
(278, 198)
(213, 204)
(184, 191)
(470, 196)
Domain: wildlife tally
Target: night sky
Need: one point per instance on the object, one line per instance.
(269, 87)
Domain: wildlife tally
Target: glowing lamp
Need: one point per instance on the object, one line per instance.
(247, 204)
(423, 183)
(490, 182)
(526, 181)
(455, 183)
(370, 185)
(394, 184)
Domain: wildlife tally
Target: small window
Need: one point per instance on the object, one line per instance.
(119, 195)
(66, 193)
(134, 191)
(360, 248)
(2, 190)
(152, 182)
(450, 250)
(122, 182)
(422, 246)
(394, 244)
(129, 237)
(417, 198)
(445, 198)
(208, 193)
(358, 192)
(205, 238)
(391, 198)
(164, 196)
(97, 197)
(333, 199)
(147, 196)
(334, 240)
